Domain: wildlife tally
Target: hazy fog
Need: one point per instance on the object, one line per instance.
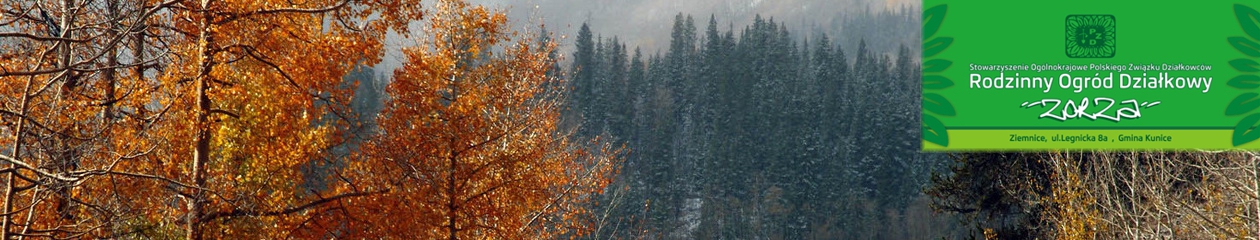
(647, 23)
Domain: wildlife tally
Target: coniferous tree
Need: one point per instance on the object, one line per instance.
(583, 79)
(755, 134)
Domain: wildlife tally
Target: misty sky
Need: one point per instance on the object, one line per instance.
(647, 23)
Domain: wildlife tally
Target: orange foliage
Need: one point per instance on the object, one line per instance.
(469, 145)
(196, 119)
(145, 117)
(266, 99)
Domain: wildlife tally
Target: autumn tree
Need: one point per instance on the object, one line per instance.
(264, 98)
(469, 143)
(127, 118)
(76, 80)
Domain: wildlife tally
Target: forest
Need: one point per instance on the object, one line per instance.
(764, 132)
(757, 132)
(262, 119)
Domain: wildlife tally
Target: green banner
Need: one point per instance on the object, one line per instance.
(1110, 75)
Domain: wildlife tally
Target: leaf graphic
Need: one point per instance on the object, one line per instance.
(932, 19)
(1243, 132)
(1245, 65)
(936, 82)
(1245, 82)
(1242, 104)
(934, 131)
(936, 65)
(1249, 19)
(938, 104)
(1246, 46)
(936, 46)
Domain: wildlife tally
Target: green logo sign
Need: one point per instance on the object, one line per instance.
(1091, 36)
(995, 79)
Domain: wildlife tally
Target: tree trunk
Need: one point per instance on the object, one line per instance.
(111, 60)
(201, 148)
(17, 156)
(450, 195)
